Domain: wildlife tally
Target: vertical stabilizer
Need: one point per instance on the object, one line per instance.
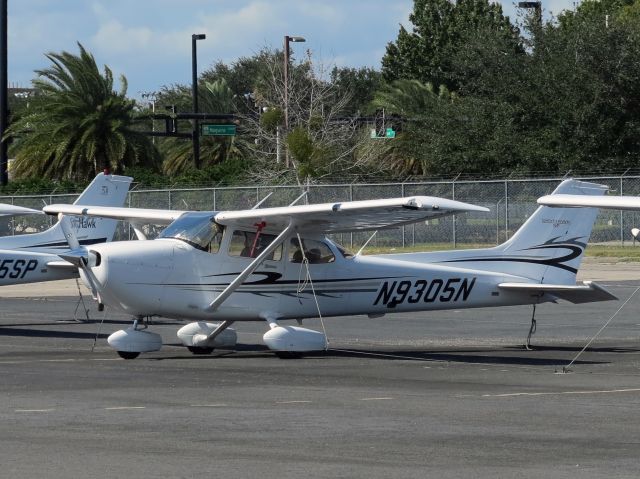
(104, 190)
(550, 245)
(548, 248)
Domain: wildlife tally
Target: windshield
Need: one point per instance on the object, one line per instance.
(198, 229)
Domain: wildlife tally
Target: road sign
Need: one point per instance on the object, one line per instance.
(209, 129)
(388, 133)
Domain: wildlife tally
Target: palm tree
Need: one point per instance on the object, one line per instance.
(215, 97)
(77, 124)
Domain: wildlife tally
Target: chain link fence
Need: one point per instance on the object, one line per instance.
(510, 201)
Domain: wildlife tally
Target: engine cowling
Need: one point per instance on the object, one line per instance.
(294, 339)
(194, 334)
(135, 341)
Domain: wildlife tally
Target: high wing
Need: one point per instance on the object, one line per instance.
(631, 203)
(319, 218)
(349, 216)
(586, 292)
(12, 210)
(134, 215)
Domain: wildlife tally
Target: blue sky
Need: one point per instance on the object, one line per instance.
(149, 41)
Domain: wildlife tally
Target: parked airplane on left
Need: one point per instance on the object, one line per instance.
(32, 258)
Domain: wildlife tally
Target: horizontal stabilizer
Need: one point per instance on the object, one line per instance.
(61, 265)
(587, 292)
(631, 203)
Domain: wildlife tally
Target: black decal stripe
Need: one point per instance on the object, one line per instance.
(524, 259)
(576, 249)
(64, 244)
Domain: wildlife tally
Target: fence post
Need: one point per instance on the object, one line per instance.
(351, 199)
(403, 232)
(621, 215)
(506, 210)
(453, 217)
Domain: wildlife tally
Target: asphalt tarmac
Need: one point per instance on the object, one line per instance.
(444, 394)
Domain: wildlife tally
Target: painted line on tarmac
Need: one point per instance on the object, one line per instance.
(123, 408)
(560, 393)
(293, 402)
(71, 360)
(34, 410)
(377, 399)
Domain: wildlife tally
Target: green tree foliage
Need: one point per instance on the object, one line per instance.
(77, 124)
(565, 98)
(440, 29)
(359, 85)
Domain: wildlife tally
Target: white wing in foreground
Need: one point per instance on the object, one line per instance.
(349, 216)
(607, 202)
(319, 218)
(134, 215)
(12, 210)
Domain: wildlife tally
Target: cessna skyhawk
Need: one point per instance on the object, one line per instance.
(277, 264)
(31, 258)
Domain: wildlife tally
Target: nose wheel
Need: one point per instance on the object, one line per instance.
(128, 354)
(199, 350)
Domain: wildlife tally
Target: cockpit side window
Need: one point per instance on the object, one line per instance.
(245, 244)
(316, 252)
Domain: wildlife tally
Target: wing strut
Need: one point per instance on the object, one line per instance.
(250, 269)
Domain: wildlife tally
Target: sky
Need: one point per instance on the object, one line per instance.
(149, 41)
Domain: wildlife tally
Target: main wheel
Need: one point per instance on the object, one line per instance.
(128, 354)
(288, 354)
(199, 350)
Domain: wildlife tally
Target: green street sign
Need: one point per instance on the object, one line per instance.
(218, 130)
(389, 133)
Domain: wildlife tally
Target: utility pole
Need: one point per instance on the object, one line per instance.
(194, 89)
(287, 54)
(4, 93)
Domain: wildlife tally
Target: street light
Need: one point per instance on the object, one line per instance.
(537, 7)
(151, 96)
(287, 40)
(194, 88)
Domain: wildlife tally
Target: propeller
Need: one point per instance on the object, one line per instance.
(81, 257)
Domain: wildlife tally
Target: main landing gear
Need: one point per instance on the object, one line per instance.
(130, 342)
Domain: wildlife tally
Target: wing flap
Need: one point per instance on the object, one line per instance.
(349, 216)
(152, 216)
(587, 292)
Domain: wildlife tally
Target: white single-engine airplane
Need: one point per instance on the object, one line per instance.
(276, 264)
(32, 258)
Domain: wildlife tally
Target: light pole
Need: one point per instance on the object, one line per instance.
(537, 7)
(151, 96)
(194, 89)
(287, 40)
